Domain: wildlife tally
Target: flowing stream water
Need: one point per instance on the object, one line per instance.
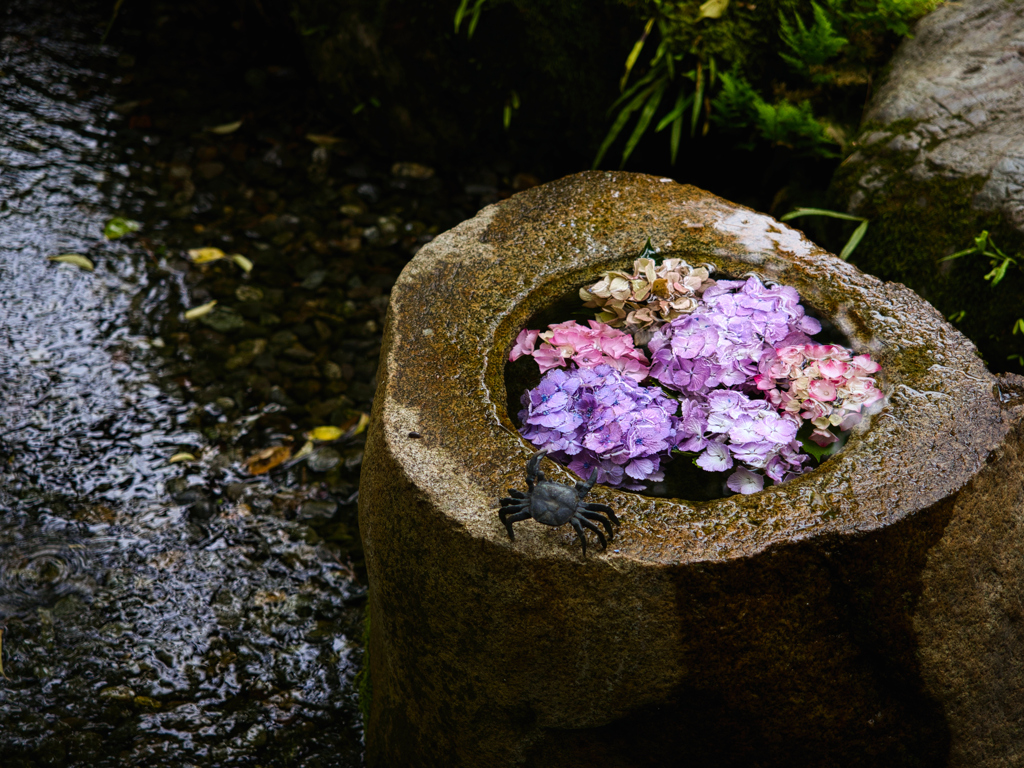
(148, 616)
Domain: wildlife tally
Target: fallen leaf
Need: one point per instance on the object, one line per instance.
(412, 170)
(225, 128)
(322, 434)
(364, 422)
(119, 227)
(322, 140)
(304, 451)
(203, 255)
(712, 9)
(241, 261)
(203, 309)
(355, 424)
(74, 258)
(178, 457)
(264, 461)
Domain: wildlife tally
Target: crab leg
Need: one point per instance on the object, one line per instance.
(595, 507)
(513, 519)
(575, 523)
(599, 518)
(508, 506)
(587, 524)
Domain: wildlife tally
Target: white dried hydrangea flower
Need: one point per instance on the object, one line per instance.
(654, 294)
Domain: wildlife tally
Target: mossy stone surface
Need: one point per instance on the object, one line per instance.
(807, 624)
(940, 159)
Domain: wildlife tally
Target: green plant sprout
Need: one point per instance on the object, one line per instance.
(855, 238)
(511, 105)
(985, 246)
(472, 12)
(999, 262)
(811, 47)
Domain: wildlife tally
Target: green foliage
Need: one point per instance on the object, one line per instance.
(738, 106)
(998, 262)
(985, 246)
(895, 16)
(696, 41)
(689, 44)
(811, 47)
(471, 10)
(119, 227)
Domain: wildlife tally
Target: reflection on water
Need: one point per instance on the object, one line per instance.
(140, 624)
(79, 409)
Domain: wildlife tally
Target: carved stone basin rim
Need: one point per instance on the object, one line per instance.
(489, 275)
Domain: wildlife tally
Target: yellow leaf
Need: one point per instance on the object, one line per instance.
(321, 434)
(305, 450)
(181, 457)
(364, 421)
(225, 128)
(322, 140)
(203, 309)
(74, 258)
(241, 261)
(203, 255)
(264, 461)
(712, 9)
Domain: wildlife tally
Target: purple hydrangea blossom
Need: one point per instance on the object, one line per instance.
(738, 430)
(721, 359)
(599, 418)
(721, 343)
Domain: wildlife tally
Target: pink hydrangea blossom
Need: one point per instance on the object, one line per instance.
(825, 384)
(600, 344)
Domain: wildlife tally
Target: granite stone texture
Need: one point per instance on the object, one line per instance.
(865, 614)
(952, 105)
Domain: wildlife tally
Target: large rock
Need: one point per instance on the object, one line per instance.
(941, 157)
(867, 613)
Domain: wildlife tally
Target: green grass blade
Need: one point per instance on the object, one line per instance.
(677, 132)
(644, 120)
(635, 53)
(958, 254)
(698, 100)
(460, 13)
(620, 122)
(677, 110)
(632, 90)
(855, 238)
(820, 212)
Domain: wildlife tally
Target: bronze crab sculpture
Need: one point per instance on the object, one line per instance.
(556, 504)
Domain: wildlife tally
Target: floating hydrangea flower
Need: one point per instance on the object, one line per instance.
(825, 384)
(600, 418)
(600, 344)
(738, 430)
(652, 295)
(721, 343)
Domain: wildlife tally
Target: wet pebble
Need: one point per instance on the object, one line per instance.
(323, 459)
(316, 512)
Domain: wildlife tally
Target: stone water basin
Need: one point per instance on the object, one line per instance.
(861, 614)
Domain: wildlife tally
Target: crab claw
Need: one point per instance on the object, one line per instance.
(583, 487)
(533, 473)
